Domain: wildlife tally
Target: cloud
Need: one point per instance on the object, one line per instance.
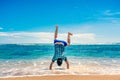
(3, 34)
(109, 16)
(1, 28)
(45, 37)
(83, 38)
(110, 13)
(7, 34)
(110, 20)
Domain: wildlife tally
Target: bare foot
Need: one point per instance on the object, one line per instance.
(70, 33)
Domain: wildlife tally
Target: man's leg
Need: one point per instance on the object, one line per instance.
(51, 65)
(56, 32)
(68, 39)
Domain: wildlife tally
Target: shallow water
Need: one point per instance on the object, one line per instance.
(24, 60)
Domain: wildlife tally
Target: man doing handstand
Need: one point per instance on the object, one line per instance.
(59, 46)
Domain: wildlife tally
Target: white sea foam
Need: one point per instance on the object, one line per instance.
(78, 66)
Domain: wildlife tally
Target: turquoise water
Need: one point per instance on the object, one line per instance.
(34, 59)
(14, 51)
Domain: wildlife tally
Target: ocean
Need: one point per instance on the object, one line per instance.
(34, 60)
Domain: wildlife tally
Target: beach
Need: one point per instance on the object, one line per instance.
(67, 77)
(59, 40)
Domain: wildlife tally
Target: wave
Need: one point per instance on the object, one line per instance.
(78, 66)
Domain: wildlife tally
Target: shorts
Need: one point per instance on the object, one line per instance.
(64, 42)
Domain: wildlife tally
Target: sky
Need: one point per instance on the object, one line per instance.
(34, 21)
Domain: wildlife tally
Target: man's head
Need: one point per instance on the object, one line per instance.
(59, 61)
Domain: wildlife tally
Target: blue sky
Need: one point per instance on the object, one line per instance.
(91, 21)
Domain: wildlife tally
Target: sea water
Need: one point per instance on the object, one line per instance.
(34, 60)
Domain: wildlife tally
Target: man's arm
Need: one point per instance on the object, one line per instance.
(51, 65)
(67, 64)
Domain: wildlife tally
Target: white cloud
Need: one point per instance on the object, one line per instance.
(7, 34)
(3, 34)
(45, 37)
(109, 16)
(110, 20)
(110, 13)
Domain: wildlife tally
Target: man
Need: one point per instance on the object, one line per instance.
(59, 50)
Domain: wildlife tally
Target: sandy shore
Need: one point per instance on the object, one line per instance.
(68, 77)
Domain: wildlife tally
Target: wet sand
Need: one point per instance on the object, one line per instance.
(67, 77)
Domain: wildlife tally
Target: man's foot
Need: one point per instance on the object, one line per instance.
(70, 33)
